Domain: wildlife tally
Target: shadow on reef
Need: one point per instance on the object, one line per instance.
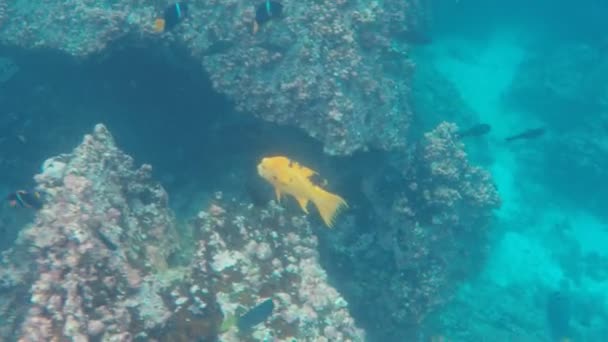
(157, 102)
(163, 111)
(161, 108)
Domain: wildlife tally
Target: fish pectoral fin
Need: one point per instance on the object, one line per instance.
(278, 194)
(303, 203)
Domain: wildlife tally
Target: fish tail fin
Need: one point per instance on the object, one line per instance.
(329, 205)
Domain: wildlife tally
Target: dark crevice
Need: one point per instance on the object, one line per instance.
(161, 108)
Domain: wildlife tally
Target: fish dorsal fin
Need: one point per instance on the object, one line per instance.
(308, 172)
(303, 170)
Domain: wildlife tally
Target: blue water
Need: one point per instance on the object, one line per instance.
(513, 65)
(552, 228)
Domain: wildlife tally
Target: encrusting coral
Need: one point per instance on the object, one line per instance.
(339, 70)
(86, 257)
(430, 233)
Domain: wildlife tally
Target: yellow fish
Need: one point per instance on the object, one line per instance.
(289, 177)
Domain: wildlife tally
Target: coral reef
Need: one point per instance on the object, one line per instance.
(328, 68)
(100, 261)
(77, 28)
(430, 233)
(246, 255)
(445, 188)
(340, 70)
(73, 273)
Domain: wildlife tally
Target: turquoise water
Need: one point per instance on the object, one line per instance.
(552, 230)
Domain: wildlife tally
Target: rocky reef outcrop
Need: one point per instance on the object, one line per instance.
(430, 214)
(102, 261)
(340, 70)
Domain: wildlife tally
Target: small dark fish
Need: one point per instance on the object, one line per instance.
(528, 134)
(265, 12)
(173, 14)
(255, 315)
(25, 199)
(106, 240)
(475, 131)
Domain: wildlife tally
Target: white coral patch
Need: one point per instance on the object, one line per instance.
(224, 260)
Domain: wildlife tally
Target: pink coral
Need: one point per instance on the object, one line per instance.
(76, 184)
(70, 244)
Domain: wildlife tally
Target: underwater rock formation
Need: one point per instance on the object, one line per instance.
(445, 187)
(329, 68)
(429, 235)
(246, 255)
(77, 28)
(100, 261)
(340, 70)
(80, 268)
